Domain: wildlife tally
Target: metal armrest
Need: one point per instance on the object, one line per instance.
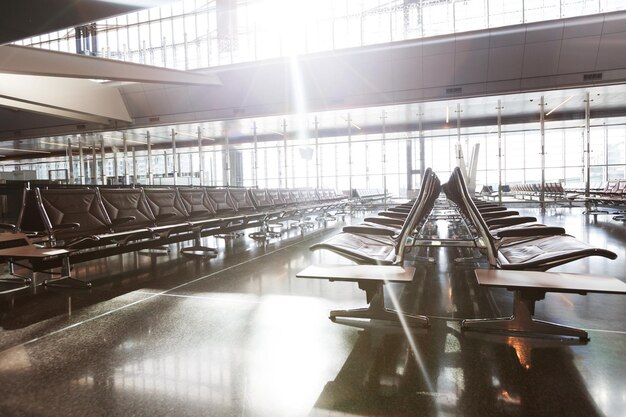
(8, 226)
(83, 239)
(510, 221)
(65, 226)
(532, 231)
(484, 210)
(499, 214)
(365, 230)
(123, 220)
(399, 209)
(163, 216)
(392, 215)
(385, 221)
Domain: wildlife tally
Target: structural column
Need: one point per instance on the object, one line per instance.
(94, 165)
(134, 156)
(81, 163)
(200, 157)
(587, 145)
(115, 171)
(125, 158)
(174, 159)
(499, 152)
(285, 150)
(317, 154)
(226, 160)
(349, 154)
(255, 156)
(542, 123)
(149, 145)
(70, 161)
(383, 159)
(102, 161)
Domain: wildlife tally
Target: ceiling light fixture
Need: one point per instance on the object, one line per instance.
(354, 125)
(559, 105)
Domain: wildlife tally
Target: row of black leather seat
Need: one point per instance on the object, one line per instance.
(92, 222)
(383, 240)
(79, 214)
(524, 246)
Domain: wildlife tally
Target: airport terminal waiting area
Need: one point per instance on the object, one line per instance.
(198, 301)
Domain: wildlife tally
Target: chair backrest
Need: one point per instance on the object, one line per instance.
(417, 216)
(241, 199)
(457, 192)
(29, 219)
(197, 202)
(323, 195)
(167, 206)
(296, 197)
(276, 197)
(262, 199)
(288, 197)
(77, 205)
(220, 199)
(127, 202)
(312, 196)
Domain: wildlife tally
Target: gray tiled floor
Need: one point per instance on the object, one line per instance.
(241, 336)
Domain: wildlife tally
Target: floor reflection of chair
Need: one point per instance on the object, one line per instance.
(375, 379)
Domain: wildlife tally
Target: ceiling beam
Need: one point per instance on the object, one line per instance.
(50, 111)
(67, 94)
(34, 61)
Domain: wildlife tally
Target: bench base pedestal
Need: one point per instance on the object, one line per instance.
(376, 309)
(522, 321)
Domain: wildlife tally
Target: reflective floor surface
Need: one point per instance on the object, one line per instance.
(240, 335)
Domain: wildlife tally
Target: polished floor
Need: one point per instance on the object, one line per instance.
(240, 335)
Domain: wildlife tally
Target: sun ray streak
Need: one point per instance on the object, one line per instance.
(409, 335)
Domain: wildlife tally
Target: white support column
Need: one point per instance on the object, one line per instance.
(317, 154)
(115, 170)
(422, 141)
(349, 122)
(135, 181)
(200, 157)
(94, 165)
(499, 108)
(383, 157)
(149, 145)
(103, 177)
(70, 161)
(285, 151)
(81, 163)
(255, 156)
(174, 159)
(458, 125)
(226, 160)
(587, 144)
(542, 123)
(125, 159)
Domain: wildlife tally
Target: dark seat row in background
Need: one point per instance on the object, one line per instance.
(95, 222)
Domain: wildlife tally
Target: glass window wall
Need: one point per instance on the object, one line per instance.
(188, 34)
